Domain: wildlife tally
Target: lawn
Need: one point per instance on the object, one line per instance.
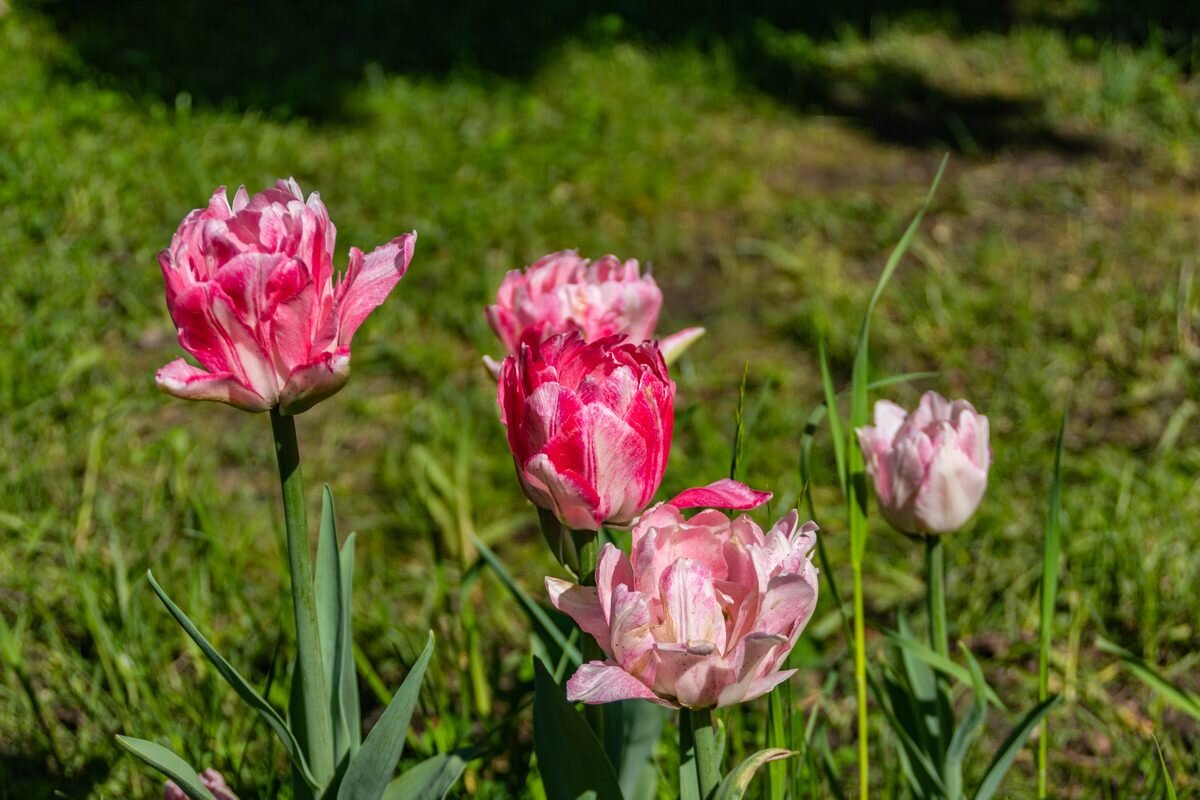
(765, 170)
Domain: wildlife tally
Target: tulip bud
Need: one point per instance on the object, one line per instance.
(702, 613)
(562, 292)
(250, 287)
(589, 425)
(929, 467)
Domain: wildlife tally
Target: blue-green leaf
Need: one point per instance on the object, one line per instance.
(570, 757)
(371, 770)
(736, 782)
(239, 684)
(168, 764)
(431, 779)
(966, 731)
(347, 673)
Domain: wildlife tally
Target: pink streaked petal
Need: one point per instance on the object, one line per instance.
(608, 454)
(545, 413)
(575, 501)
(368, 282)
(597, 682)
(673, 346)
(789, 602)
(759, 687)
(690, 608)
(311, 383)
(612, 570)
(725, 493)
(953, 489)
(181, 379)
(492, 366)
(581, 604)
(632, 641)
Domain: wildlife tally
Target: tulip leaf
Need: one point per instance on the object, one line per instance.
(642, 724)
(738, 781)
(432, 779)
(327, 580)
(938, 661)
(169, 764)
(240, 685)
(536, 613)
(347, 673)
(966, 731)
(1007, 752)
(571, 759)
(371, 770)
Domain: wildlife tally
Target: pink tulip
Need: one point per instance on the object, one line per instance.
(211, 779)
(930, 467)
(563, 292)
(589, 425)
(704, 612)
(251, 290)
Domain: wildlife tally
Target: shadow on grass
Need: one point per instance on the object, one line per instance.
(26, 775)
(301, 57)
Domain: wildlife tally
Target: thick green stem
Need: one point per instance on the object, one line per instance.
(587, 546)
(708, 760)
(935, 594)
(318, 727)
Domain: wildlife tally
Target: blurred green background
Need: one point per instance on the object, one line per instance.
(763, 161)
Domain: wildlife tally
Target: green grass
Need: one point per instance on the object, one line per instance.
(1060, 253)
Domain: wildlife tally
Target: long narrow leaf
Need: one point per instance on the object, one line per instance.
(347, 674)
(168, 764)
(371, 770)
(938, 661)
(1179, 697)
(965, 733)
(240, 685)
(1007, 752)
(1162, 762)
(835, 420)
(536, 613)
(327, 581)
(1051, 550)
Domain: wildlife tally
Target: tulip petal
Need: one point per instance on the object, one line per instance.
(673, 346)
(598, 682)
(610, 457)
(581, 604)
(761, 686)
(367, 283)
(725, 493)
(691, 612)
(180, 379)
(953, 490)
(575, 501)
(313, 382)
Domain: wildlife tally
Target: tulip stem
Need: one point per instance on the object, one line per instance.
(318, 728)
(704, 742)
(935, 594)
(587, 548)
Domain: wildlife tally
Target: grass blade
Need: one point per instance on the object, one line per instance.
(1051, 550)
(371, 770)
(939, 662)
(240, 685)
(739, 427)
(1182, 699)
(1162, 762)
(168, 764)
(1007, 752)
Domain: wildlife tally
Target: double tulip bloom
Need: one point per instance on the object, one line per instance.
(251, 289)
(703, 612)
(564, 292)
(589, 425)
(930, 467)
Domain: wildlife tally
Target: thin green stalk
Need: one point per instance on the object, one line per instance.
(1051, 551)
(708, 760)
(935, 594)
(689, 788)
(860, 685)
(317, 723)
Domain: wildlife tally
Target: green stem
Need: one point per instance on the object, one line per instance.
(704, 740)
(587, 546)
(689, 788)
(860, 683)
(318, 726)
(935, 595)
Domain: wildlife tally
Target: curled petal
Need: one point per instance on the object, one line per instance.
(181, 379)
(581, 604)
(368, 282)
(313, 382)
(725, 493)
(598, 682)
(673, 346)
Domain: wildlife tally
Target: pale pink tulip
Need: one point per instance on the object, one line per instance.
(704, 612)
(211, 779)
(930, 467)
(251, 289)
(562, 291)
(589, 425)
